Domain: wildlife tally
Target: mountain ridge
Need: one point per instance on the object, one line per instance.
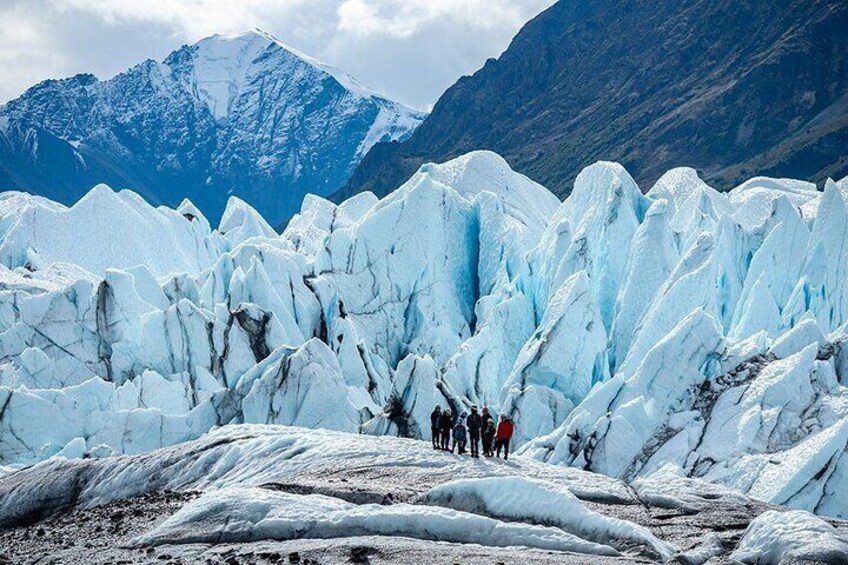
(233, 114)
(734, 89)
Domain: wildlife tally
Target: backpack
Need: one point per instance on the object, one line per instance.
(459, 431)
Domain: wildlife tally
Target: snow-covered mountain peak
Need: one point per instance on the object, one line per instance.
(346, 80)
(222, 64)
(249, 35)
(233, 114)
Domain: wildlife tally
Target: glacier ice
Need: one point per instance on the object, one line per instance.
(560, 362)
(651, 259)
(232, 515)
(779, 537)
(261, 484)
(106, 230)
(680, 331)
(253, 455)
(536, 501)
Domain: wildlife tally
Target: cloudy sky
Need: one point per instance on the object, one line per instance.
(411, 50)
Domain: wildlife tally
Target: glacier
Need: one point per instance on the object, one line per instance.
(258, 493)
(679, 333)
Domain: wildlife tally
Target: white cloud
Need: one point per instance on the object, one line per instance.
(192, 19)
(404, 18)
(25, 55)
(408, 49)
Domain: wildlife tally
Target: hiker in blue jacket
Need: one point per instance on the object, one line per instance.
(459, 435)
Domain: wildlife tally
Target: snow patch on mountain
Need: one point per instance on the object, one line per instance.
(219, 66)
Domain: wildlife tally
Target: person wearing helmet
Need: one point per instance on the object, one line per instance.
(434, 426)
(503, 435)
(474, 424)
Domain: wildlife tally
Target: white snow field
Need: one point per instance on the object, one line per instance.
(683, 330)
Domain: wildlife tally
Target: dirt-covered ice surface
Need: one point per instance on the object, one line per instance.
(91, 535)
(268, 494)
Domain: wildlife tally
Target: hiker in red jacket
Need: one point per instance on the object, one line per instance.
(503, 435)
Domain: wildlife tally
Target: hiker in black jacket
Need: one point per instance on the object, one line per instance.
(486, 416)
(488, 439)
(445, 426)
(474, 425)
(434, 426)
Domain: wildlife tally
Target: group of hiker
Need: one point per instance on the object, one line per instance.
(470, 430)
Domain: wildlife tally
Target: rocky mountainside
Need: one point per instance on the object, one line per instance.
(731, 88)
(237, 114)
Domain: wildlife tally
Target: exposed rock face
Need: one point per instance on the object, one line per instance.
(734, 89)
(237, 114)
